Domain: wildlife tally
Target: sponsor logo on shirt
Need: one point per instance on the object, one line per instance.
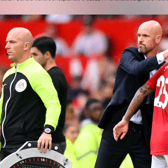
(21, 85)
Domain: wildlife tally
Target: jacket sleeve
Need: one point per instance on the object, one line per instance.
(132, 64)
(42, 84)
(1, 102)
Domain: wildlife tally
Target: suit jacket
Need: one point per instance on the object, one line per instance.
(133, 71)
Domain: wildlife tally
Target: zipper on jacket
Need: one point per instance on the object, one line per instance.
(6, 105)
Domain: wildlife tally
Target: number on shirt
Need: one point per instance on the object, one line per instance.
(161, 82)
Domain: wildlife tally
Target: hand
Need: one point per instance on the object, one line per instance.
(120, 129)
(44, 142)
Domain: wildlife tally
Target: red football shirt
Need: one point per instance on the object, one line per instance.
(159, 136)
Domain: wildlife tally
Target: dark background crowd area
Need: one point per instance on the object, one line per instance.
(89, 75)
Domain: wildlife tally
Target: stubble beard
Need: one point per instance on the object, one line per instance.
(142, 50)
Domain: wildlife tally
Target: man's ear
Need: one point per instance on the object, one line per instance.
(47, 54)
(158, 39)
(27, 46)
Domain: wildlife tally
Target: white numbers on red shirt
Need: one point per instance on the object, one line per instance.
(161, 82)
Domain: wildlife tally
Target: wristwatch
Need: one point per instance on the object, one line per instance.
(48, 129)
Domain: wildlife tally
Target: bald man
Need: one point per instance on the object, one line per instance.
(137, 65)
(29, 106)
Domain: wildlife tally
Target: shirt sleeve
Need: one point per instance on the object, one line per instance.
(42, 84)
(153, 80)
(160, 58)
(1, 102)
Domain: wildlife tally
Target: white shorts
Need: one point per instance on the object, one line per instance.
(159, 161)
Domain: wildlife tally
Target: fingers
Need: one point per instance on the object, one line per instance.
(115, 133)
(120, 129)
(41, 145)
(38, 144)
(122, 136)
(44, 145)
(116, 137)
(44, 142)
(50, 146)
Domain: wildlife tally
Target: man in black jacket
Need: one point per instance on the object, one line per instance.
(29, 111)
(44, 51)
(135, 68)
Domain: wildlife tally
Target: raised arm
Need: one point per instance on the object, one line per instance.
(122, 127)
